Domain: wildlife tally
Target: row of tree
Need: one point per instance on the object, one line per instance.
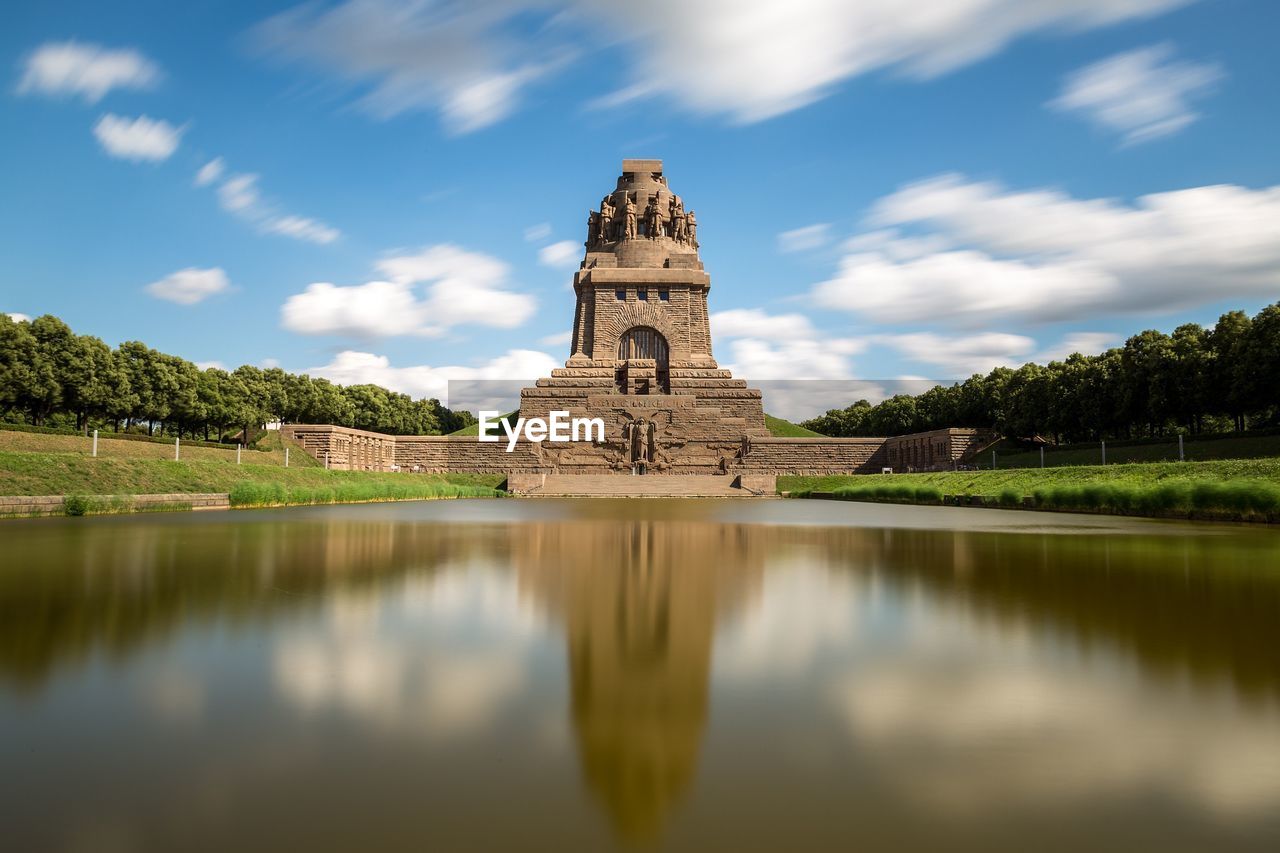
(50, 375)
(1226, 378)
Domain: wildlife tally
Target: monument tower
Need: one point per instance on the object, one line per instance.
(641, 351)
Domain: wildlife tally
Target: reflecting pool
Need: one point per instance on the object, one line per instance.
(688, 674)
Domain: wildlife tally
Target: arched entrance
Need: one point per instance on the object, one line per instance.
(647, 343)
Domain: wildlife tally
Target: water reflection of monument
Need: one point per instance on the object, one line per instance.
(639, 602)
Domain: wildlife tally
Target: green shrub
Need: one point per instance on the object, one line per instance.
(1010, 497)
(929, 493)
(75, 505)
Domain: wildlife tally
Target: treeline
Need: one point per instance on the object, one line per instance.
(1195, 380)
(50, 376)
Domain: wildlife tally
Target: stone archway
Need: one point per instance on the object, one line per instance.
(647, 344)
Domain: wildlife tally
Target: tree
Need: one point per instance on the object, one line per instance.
(20, 373)
(1192, 365)
(1231, 389)
(1260, 359)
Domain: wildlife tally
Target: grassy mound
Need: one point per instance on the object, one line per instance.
(785, 429)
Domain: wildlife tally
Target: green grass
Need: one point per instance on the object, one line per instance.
(78, 475)
(1197, 449)
(1243, 489)
(785, 429)
(412, 487)
(270, 449)
(909, 492)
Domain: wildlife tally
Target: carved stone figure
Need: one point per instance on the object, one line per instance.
(629, 223)
(593, 229)
(653, 219)
(607, 213)
(642, 433)
(691, 225)
(680, 228)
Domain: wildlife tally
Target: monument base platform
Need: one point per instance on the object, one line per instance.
(642, 486)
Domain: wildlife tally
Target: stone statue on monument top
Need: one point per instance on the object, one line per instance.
(679, 222)
(691, 225)
(607, 213)
(629, 224)
(653, 218)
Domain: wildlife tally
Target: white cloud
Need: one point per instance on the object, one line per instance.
(537, 233)
(563, 254)
(560, 339)
(212, 364)
(19, 318)
(755, 323)
(962, 355)
(138, 139)
(189, 286)
(301, 228)
(420, 56)
(1042, 255)
(485, 99)
(460, 59)
(87, 70)
(805, 239)
(461, 288)
(372, 310)
(239, 194)
(753, 61)
(209, 172)
(1142, 94)
(800, 371)
(757, 359)
(350, 367)
(965, 355)
(1085, 343)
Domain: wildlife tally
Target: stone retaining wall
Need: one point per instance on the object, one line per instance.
(357, 450)
(44, 505)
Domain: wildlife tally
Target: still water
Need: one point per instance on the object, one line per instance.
(687, 674)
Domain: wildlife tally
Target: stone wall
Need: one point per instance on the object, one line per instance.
(936, 450)
(813, 456)
(357, 450)
(343, 448)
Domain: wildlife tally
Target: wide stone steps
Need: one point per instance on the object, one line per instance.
(637, 486)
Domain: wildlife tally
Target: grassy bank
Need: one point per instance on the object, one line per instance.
(786, 429)
(77, 474)
(1237, 490)
(1200, 448)
(270, 450)
(403, 488)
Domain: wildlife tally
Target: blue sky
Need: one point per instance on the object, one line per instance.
(879, 194)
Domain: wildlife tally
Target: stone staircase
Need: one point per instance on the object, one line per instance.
(642, 486)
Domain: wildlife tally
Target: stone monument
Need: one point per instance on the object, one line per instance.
(641, 361)
(641, 351)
